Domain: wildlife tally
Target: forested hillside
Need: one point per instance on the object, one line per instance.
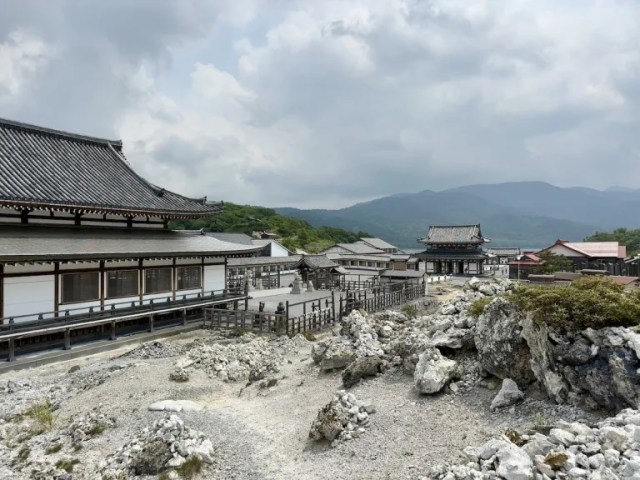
(294, 233)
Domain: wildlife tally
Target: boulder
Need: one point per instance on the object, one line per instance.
(433, 371)
(333, 353)
(151, 458)
(512, 462)
(362, 368)
(508, 395)
(601, 363)
(501, 349)
(331, 420)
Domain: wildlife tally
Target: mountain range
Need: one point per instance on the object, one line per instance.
(524, 214)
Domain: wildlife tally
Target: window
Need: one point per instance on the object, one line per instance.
(189, 277)
(80, 287)
(122, 283)
(157, 280)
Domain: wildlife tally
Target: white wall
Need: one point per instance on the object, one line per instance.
(564, 251)
(26, 295)
(278, 250)
(214, 278)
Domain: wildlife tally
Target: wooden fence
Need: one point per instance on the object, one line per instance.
(243, 319)
(317, 314)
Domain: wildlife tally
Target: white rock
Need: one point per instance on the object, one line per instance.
(508, 395)
(433, 372)
(175, 406)
(561, 437)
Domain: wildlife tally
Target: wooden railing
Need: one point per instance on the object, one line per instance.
(317, 314)
(12, 333)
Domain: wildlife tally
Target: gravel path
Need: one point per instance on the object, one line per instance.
(262, 433)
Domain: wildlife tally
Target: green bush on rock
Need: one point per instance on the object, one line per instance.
(591, 302)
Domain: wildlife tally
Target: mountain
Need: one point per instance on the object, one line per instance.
(605, 209)
(528, 214)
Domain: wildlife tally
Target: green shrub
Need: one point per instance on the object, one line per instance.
(591, 302)
(55, 448)
(238, 332)
(191, 467)
(67, 464)
(477, 307)
(410, 311)
(309, 336)
(24, 453)
(97, 429)
(42, 414)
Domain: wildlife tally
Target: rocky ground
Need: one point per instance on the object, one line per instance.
(386, 396)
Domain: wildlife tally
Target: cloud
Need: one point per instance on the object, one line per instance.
(330, 102)
(22, 56)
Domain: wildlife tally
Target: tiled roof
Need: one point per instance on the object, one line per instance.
(367, 258)
(44, 168)
(32, 243)
(360, 248)
(378, 243)
(452, 234)
(253, 261)
(240, 238)
(503, 251)
(318, 261)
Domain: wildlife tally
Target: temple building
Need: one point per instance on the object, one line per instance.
(454, 250)
(81, 233)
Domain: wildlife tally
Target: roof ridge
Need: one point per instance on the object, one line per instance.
(58, 133)
(457, 226)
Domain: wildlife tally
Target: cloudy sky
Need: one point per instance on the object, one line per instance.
(322, 103)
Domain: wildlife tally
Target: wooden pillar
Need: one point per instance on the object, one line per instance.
(56, 288)
(12, 350)
(1, 293)
(174, 279)
(140, 281)
(102, 284)
(202, 277)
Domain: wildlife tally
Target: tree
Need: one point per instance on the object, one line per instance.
(552, 262)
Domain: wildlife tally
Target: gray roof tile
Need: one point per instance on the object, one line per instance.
(46, 168)
(240, 238)
(448, 234)
(31, 243)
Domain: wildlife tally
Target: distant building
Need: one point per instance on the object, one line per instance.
(454, 249)
(609, 256)
(524, 266)
(371, 254)
(380, 244)
(502, 256)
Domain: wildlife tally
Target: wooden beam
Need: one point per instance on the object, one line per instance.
(102, 284)
(56, 287)
(1, 292)
(140, 281)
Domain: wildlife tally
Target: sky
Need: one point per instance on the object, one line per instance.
(324, 103)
